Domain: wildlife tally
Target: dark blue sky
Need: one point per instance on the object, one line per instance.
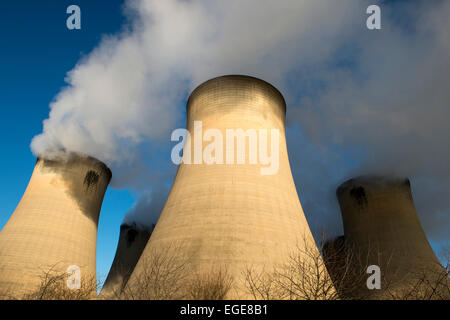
(37, 50)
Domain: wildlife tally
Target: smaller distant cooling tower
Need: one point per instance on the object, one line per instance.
(382, 228)
(132, 241)
(55, 224)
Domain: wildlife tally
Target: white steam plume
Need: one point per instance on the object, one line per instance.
(358, 100)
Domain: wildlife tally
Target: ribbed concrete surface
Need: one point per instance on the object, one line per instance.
(55, 223)
(132, 241)
(381, 221)
(232, 216)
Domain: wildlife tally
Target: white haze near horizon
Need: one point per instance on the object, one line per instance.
(359, 101)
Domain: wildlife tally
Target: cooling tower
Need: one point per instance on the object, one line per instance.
(382, 228)
(233, 215)
(132, 241)
(55, 224)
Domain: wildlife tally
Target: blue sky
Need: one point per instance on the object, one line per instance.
(37, 50)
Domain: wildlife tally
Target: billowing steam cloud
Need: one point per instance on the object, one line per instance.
(358, 100)
(394, 106)
(146, 211)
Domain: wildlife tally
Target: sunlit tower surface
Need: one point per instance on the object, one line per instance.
(54, 225)
(231, 216)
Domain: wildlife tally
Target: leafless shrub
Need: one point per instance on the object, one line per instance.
(338, 270)
(165, 275)
(430, 283)
(261, 284)
(53, 286)
(333, 271)
(348, 270)
(444, 255)
(162, 275)
(212, 285)
(303, 276)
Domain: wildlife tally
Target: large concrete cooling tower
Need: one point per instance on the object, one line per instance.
(232, 216)
(55, 224)
(132, 241)
(382, 227)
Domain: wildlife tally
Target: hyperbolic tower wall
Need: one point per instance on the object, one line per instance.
(230, 215)
(132, 241)
(382, 228)
(55, 224)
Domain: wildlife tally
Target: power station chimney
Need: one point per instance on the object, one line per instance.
(226, 214)
(132, 241)
(382, 227)
(55, 224)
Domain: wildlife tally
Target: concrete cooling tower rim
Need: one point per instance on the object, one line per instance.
(376, 181)
(133, 225)
(75, 156)
(233, 77)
